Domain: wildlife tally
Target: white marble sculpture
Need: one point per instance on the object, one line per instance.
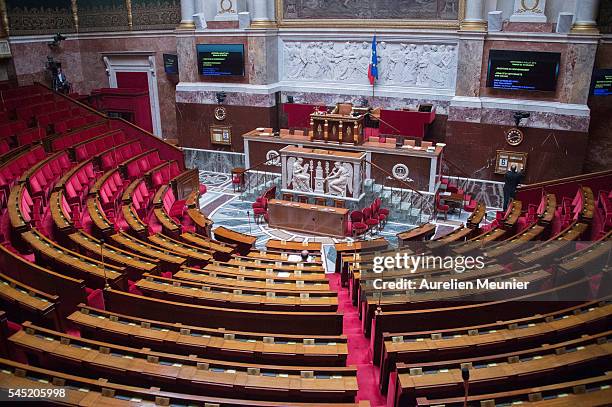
(400, 64)
(299, 177)
(340, 179)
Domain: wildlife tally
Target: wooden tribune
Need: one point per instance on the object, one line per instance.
(302, 217)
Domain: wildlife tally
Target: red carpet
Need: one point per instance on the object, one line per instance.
(358, 347)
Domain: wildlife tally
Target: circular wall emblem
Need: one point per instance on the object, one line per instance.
(400, 171)
(273, 158)
(220, 113)
(226, 5)
(530, 7)
(514, 136)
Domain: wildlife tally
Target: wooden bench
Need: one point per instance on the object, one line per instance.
(502, 336)
(269, 298)
(220, 251)
(220, 276)
(450, 315)
(308, 323)
(194, 255)
(594, 391)
(419, 233)
(83, 391)
(134, 264)
(170, 261)
(101, 226)
(96, 274)
(238, 346)
(360, 246)
(189, 374)
(23, 302)
(71, 291)
(544, 365)
(243, 242)
(136, 226)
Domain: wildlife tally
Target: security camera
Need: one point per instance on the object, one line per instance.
(518, 116)
(57, 39)
(220, 97)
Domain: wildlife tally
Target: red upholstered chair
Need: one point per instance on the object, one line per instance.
(371, 221)
(441, 208)
(95, 298)
(236, 182)
(358, 227)
(384, 211)
(376, 214)
(259, 213)
(470, 206)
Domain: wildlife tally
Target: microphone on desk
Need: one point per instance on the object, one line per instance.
(465, 374)
(249, 218)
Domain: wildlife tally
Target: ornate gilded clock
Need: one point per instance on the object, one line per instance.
(514, 136)
(220, 113)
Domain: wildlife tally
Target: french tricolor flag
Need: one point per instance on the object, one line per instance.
(373, 68)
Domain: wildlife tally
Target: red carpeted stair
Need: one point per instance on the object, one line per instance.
(358, 347)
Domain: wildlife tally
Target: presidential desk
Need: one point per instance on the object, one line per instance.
(418, 163)
(308, 218)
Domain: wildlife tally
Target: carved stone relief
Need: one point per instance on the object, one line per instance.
(415, 65)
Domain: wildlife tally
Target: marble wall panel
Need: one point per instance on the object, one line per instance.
(194, 121)
(579, 60)
(262, 64)
(469, 67)
(30, 62)
(551, 153)
(187, 57)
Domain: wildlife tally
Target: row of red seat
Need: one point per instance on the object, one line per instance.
(164, 174)
(4, 147)
(70, 124)
(42, 180)
(369, 218)
(138, 167)
(111, 158)
(29, 111)
(12, 128)
(77, 186)
(141, 198)
(30, 136)
(173, 207)
(68, 140)
(110, 193)
(53, 116)
(89, 148)
(14, 98)
(12, 170)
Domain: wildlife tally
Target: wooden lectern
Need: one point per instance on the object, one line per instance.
(343, 125)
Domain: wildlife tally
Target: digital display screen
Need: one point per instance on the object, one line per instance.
(523, 70)
(602, 82)
(171, 64)
(221, 59)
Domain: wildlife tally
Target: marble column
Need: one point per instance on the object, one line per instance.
(474, 16)
(586, 17)
(260, 17)
(469, 65)
(187, 12)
